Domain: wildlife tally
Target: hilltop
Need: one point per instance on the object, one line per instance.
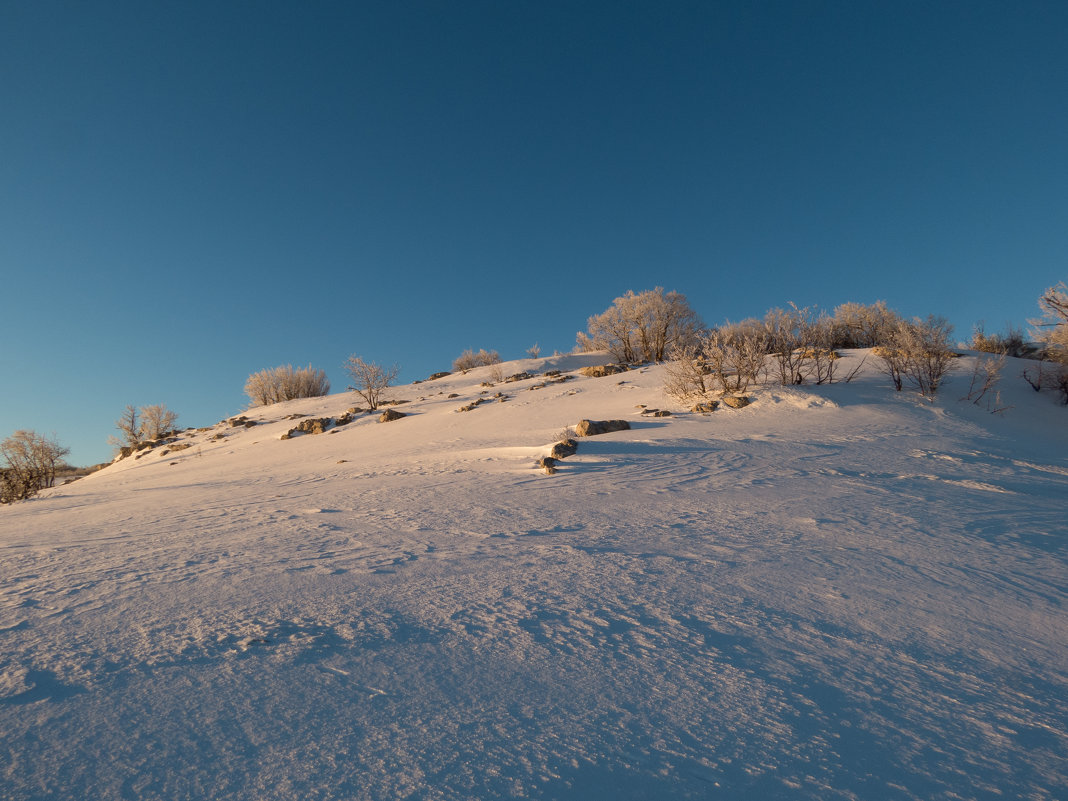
(836, 592)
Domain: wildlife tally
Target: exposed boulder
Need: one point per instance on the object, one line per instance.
(391, 414)
(601, 370)
(436, 376)
(517, 377)
(548, 464)
(311, 425)
(737, 402)
(705, 407)
(314, 425)
(563, 449)
(591, 428)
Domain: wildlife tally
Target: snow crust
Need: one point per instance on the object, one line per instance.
(838, 592)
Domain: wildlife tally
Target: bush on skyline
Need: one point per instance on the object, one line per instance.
(147, 423)
(643, 327)
(285, 383)
(469, 360)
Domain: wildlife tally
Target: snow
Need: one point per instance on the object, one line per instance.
(837, 592)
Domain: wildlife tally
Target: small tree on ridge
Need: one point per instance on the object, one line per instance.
(369, 379)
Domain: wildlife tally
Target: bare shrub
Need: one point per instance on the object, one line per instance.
(642, 327)
(369, 379)
(469, 360)
(986, 374)
(688, 376)
(819, 349)
(137, 426)
(1010, 343)
(787, 332)
(857, 325)
(129, 426)
(28, 464)
(1052, 328)
(496, 374)
(157, 421)
(284, 383)
(893, 357)
(918, 352)
(534, 351)
(738, 352)
(1049, 376)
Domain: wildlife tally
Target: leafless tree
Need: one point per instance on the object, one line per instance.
(369, 379)
(129, 426)
(28, 464)
(642, 327)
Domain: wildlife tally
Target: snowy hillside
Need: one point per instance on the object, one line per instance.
(838, 592)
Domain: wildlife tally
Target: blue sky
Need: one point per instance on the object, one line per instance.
(191, 192)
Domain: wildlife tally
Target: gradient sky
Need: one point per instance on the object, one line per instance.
(191, 192)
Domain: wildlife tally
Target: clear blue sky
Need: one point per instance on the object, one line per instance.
(190, 192)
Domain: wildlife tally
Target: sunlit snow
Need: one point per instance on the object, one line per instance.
(838, 592)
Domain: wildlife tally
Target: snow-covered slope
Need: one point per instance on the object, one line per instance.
(836, 592)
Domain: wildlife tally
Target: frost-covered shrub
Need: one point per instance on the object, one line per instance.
(643, 327)
(857, 325)
(1010, 343)
(727, 359)
(28, 464)
(1052, 328)
(369, 379)
(285, 383)
(469, 360)
(918, 352)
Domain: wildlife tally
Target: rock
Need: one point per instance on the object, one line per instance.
(452, 395)
(551, 373)
(661, 413)
(561, 450)
(391, 414)
(517, 377)
(312, 425)
(737, 402)
(436, 376)
(591, 428)
(548, 464)
(705, 407)
(601, 370)
(344, 419)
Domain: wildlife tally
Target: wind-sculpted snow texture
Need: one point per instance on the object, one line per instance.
(836, 593)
